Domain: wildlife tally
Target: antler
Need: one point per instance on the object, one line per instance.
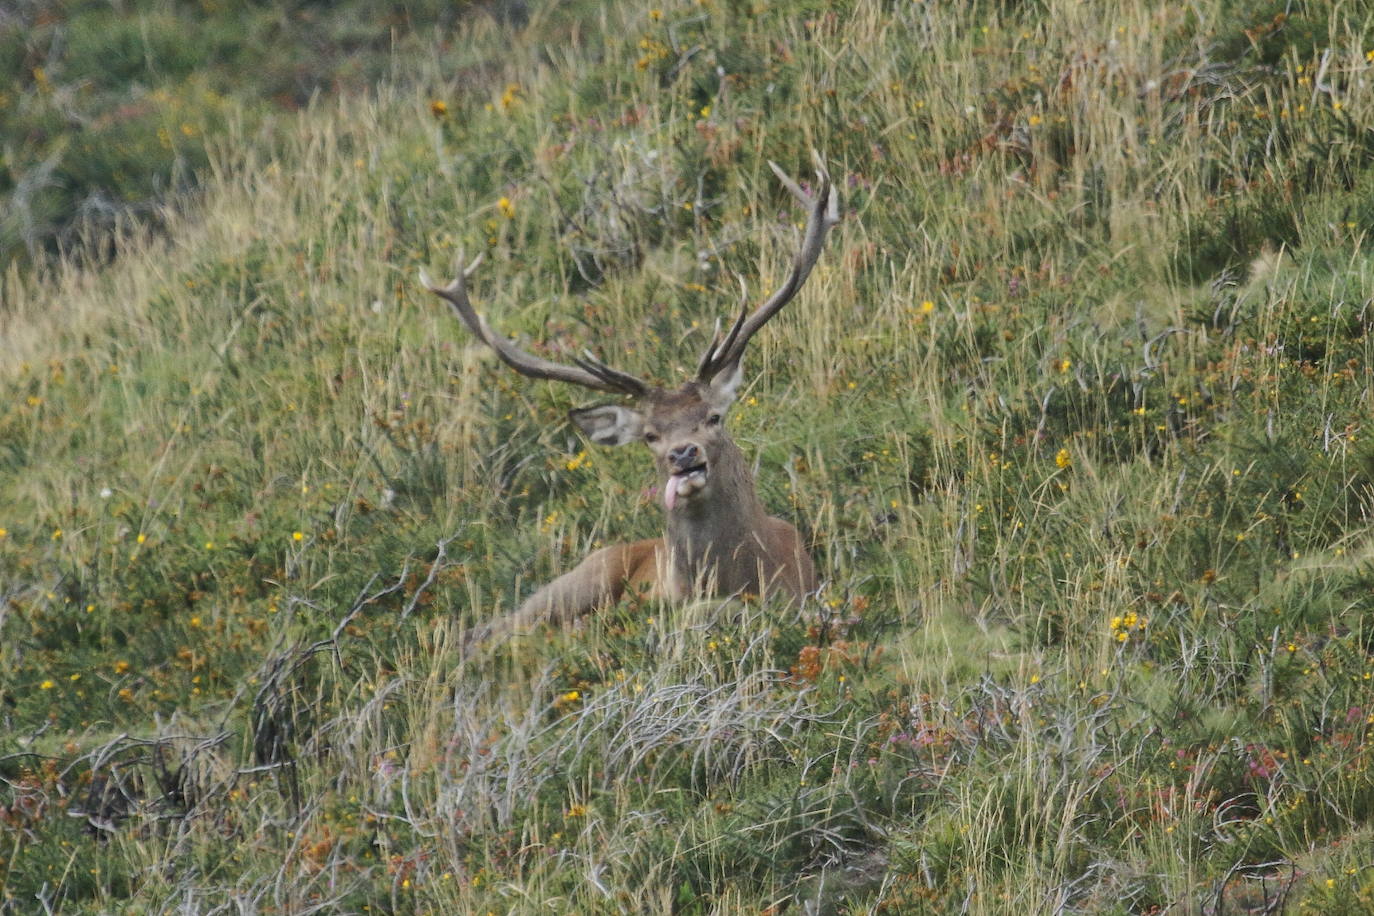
(588, 371)
(825, 213)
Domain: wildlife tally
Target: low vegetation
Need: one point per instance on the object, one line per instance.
(1074, 412)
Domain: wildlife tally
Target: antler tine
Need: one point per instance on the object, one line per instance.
(717, 346)
(621, 381)
(594, 374)
(824, 207)
(711, 361)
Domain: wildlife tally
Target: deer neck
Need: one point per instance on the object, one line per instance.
(717, 542)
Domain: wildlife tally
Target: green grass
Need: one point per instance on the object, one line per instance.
(1073, 410)
(111, 113)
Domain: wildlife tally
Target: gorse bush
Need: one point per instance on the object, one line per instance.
(1073, 412)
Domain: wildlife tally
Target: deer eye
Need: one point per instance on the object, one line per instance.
(651, 438)
(713, 420)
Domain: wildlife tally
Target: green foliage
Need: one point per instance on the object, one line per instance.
(1073, 413)
(112, 113)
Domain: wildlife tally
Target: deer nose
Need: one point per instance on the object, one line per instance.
(685, 456)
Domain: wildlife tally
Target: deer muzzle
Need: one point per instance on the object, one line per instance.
(687, 472)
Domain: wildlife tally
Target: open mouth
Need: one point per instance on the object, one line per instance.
(684, 483)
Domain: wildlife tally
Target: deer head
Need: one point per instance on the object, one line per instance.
(682, 427)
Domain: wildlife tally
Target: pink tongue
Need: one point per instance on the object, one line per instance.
(670, 491)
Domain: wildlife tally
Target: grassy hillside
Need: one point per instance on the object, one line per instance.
(110, 111)
(1074, 412)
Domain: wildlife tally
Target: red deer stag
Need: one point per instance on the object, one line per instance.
(719, 539)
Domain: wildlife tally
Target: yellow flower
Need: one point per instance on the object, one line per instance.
(1062, 459)
(57, 534)
(572, 696)
(1065, 365)
(3, 533)
(298, 535)
(47, 685)
(121, 666)
(141, 537)
(438, 108)
(657, 14)
(927, 307)
(506, 207)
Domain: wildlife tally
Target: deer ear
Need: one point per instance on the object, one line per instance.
(725, 385)
(609, 424)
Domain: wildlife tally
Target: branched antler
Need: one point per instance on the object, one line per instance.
(588, 371)
(722, 356)
(824, 205)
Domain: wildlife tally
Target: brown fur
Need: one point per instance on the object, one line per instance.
(719, 541)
